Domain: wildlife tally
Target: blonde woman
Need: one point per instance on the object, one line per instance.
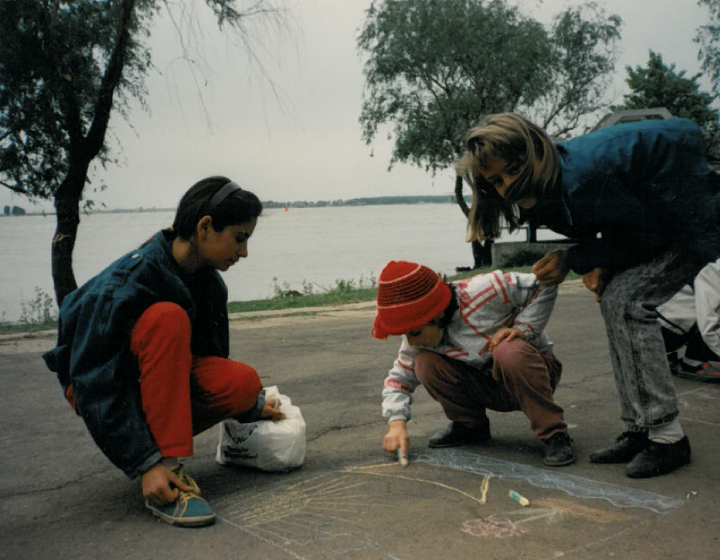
(638, 199)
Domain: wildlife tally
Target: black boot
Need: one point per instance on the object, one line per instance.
(458, 434)
(559, 450)
(659, 458)
(626, 446)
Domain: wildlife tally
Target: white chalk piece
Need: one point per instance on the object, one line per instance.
(402, 458)
(518, 498)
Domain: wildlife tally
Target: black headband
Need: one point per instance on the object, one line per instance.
(227, 189)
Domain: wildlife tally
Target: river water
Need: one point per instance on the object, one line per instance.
(311, 245)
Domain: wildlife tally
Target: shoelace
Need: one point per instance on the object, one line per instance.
(183, 500)
(184, 496)
(189, 480)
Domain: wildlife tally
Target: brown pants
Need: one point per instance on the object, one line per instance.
(523, 378)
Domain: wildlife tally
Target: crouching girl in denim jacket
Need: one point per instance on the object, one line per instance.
(142, 352)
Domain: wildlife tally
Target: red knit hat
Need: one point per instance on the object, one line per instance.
(410, 295)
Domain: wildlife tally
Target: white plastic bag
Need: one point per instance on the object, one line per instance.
(266, 445)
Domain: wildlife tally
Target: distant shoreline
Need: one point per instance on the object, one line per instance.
(369, 201)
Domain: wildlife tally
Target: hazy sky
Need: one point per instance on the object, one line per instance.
(305, 142)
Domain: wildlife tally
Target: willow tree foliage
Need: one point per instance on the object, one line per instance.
(708, 38)
(435, 67)
(65, 68)
(583, 42)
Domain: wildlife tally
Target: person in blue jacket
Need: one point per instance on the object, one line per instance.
(142, 352)
(639, 200)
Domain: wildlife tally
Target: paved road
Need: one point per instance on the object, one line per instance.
(61, 499)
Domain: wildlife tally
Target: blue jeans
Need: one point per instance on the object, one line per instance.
(637, 350)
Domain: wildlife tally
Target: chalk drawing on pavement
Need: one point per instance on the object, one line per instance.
(319, 517)
(513, 523)
(333, 515)
(575, 486)
(314, 518)
(577, 510)
(369, 470)
(492, 526)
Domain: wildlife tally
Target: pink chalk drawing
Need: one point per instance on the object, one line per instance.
(492, 526)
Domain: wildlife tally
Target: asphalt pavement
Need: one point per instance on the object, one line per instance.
(61, 499)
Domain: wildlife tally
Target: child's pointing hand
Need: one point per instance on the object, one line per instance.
(397, 438)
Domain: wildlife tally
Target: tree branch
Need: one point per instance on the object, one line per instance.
(113, 73)
(16, 189)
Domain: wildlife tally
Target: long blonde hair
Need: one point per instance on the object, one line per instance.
(528, 152)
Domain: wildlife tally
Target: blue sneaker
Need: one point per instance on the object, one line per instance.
(188, 510)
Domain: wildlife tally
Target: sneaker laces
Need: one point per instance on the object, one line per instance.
(182, 502)
(190, 481)
(184, 496)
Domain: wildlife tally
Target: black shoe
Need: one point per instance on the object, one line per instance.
(559, 450)
(458, 434)
(626, 446)
(659, 458)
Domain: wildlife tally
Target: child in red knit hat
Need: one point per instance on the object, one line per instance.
(475, 344)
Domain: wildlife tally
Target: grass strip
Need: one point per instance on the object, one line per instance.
(343, 293)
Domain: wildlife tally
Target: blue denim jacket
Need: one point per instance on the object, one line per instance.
(92, 352)
(629, 192)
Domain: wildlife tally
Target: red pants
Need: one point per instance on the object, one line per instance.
(523, 378)
(183, 395)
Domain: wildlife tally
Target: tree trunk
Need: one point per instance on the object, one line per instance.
(63, 244)
(482, 254)
(81, 151)
(459, 198)
(67, 208)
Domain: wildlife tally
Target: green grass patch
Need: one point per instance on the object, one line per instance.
(344, 292)
(27, 328)
(302, 300)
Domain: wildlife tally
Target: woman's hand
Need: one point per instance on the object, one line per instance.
(156, 485)
(596, 280)
(508, 334)
(271, 410)
(397, 438)
(552, 268)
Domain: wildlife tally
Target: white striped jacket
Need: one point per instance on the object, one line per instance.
(486, 303)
